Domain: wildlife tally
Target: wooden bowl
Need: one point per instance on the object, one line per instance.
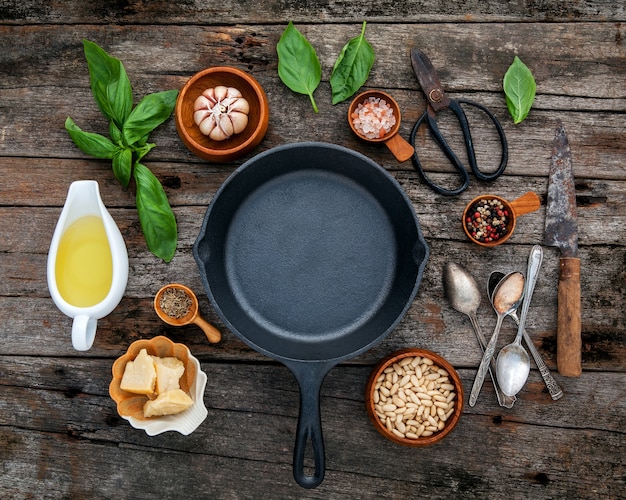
(237, 145)
(375, 406)
(193, 382)
(528, 202)
(399, 147)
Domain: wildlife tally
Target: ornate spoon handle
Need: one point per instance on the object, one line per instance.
(503, 399)
(484, 364)
(553, 387)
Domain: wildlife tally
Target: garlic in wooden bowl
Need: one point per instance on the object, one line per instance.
(221, 132)
(131, 404)
(221, 112)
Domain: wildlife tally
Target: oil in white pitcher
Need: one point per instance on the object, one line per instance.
(84, 266)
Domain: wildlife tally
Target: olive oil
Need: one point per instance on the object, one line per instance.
(84, 266)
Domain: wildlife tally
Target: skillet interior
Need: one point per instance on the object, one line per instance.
(310, 252)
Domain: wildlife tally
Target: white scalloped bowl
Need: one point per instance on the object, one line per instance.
(193, 381)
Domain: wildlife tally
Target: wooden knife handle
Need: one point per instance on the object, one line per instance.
(568, 336)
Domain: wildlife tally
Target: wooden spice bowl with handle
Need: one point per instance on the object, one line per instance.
(238, 145)
(399, 147)
(406, 385)
(527, 203)
(192, 315)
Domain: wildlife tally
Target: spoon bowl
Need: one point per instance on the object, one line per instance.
(512, 368)
(192, 316)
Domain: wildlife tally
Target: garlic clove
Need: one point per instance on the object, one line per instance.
(227, 126)
(208, 125)
(202, 102)
(241, 106)
(200, 115)
(220, 92)
(217, 134)
(209, 94)
(238, 120)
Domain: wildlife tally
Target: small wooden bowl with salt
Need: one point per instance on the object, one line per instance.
(374, 116)
(177, 305)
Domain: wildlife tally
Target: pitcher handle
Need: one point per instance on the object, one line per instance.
(83, 332)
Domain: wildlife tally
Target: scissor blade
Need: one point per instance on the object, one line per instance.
(428, 80)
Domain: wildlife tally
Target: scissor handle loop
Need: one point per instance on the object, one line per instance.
(468, 140)
(430, 117)
(436, 134)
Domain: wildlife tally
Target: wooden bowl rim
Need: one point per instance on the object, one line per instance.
(388, 361)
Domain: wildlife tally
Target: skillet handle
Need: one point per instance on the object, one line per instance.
(309, 432)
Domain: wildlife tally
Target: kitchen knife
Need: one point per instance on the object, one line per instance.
(561, 230)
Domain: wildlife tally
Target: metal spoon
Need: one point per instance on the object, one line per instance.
(506, 298)
(513, 365)
(464, 295)
(553, 388)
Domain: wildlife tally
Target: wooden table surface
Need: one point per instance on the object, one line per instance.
(60, 434)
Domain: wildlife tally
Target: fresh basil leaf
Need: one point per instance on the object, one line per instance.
(143, 150)
(519, 87)
(298, 65)
(116, 134)
(155, 214)
(151, 112)
(95, 145)
(352, 67)
(110, 85)
(123, 165)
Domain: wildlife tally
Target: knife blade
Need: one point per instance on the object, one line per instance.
(561, 230)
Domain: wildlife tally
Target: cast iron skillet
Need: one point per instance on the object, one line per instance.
(310, 253)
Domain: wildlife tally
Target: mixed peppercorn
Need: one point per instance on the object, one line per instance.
(487, 220)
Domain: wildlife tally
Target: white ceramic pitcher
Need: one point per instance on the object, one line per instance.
(83, 199)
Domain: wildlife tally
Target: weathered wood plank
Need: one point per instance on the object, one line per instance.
(430, 323)
(468, 57)
(592, 130)
(190, 189)
(80, 419)
(237, 11)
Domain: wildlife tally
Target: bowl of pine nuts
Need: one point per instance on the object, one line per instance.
(414, 397)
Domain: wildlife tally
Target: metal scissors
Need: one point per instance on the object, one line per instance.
(437, 101)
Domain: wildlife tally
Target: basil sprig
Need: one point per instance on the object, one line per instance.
(519, 87)
(298, 65)
(129, 129)
(352, 67)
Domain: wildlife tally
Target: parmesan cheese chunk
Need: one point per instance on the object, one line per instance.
(139, 375)
(168, 372)
(167, 403)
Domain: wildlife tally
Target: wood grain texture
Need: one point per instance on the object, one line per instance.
(60, 435)
(568, 340)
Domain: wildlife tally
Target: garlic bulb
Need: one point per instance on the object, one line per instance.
(221, 112)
